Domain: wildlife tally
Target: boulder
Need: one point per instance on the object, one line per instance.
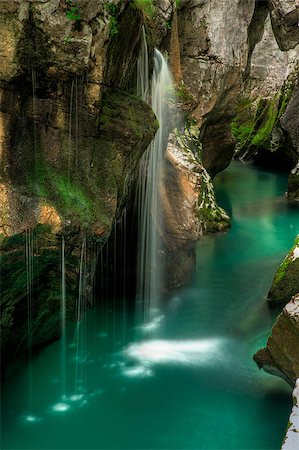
(281, 355)
(286, 279)
(189, 206)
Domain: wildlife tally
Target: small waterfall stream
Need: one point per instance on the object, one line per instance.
(150, 270)
(63, 320)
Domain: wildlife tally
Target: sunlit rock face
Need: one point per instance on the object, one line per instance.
(291, 439)
(229, 54)
(281, 356)
(284, 17)
(189, 208)
(268, 66)
(72, 133)
(268, 85)
(214, 48)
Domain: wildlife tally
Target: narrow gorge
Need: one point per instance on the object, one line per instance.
(149, 224)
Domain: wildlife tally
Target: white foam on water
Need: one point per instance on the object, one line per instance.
(61, 407)
(137, 372)
(187, 352)
(31, 419)
(154, 324)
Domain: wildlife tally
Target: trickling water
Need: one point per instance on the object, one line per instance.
(150, 270)
(81, 326)
(142, 69)
(195, 374)
(29, 275)
(70, 131)
(63, 320)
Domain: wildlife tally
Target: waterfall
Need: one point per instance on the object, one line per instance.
(63, 320)
(29, 251)
(80, 334)
(142, 69)
(151, 223)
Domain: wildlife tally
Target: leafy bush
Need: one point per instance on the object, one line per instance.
(73, 12)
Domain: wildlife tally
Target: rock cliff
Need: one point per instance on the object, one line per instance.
(72, 134)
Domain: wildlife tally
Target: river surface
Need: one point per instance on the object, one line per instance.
(187, 380)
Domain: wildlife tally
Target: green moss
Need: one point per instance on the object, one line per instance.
(254, 123)
(147, 7)
(73, 11)
(286, 280)
(59, 190)
(280, 274)
(183, 95)
(210, 215)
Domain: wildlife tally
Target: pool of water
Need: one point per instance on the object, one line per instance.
(190, 381)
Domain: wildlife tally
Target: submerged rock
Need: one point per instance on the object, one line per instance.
(286, 280)
(281, 355)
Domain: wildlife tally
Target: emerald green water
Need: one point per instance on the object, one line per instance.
(190, 383)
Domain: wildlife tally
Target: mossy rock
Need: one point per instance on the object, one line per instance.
(293, 185)
(31, 288)
(281, 355)
(286, 280)
(259, 136)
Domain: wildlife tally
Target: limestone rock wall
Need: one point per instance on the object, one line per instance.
(72, 134)
(214, 50)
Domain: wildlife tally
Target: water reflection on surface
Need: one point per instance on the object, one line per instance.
(190, 382)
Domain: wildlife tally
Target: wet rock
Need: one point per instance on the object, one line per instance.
(281, 355)
(293, 184)
(72, 133)
(189, 206)
(290, 123)
(286, 280)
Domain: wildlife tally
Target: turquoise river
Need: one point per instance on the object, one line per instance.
(187, 380)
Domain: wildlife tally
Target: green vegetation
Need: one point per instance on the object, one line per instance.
(184, 96)
(168, 24)
(67, 39)
(280, 274)
(73, 11)
(252, 127)
(210, 215)
(146, 6)
(112, 10)
(60, 191)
